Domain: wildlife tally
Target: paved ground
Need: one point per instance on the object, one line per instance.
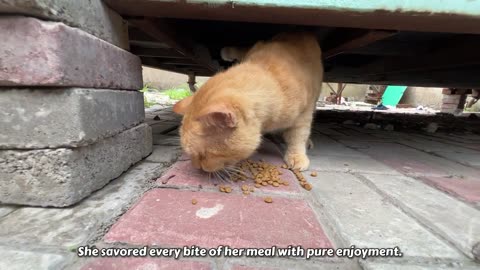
(373, 189)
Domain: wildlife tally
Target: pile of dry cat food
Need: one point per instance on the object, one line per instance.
(262, 174)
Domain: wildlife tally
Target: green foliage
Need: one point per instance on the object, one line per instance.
(177, 93)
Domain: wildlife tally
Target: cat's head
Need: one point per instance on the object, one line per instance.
(215, 132)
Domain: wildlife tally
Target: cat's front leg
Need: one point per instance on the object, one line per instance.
(297, 138)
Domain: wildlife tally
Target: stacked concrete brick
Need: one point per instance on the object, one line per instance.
(71, 117)
(453, 100)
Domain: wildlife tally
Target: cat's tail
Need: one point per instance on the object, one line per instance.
(232, 54)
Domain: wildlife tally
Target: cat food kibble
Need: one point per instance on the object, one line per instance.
(314, 174)
(307, 186)
(302, 180)
(262, 174)
(268, 200)
(194, 201)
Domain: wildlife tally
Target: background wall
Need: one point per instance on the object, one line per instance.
(415, 96)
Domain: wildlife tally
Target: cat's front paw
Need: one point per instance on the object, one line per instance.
(297, 161)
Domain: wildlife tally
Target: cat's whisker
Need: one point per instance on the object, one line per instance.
(225, 176)
(216, 177)
(235, 170)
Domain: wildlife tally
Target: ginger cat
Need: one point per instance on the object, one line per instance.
(274, 88)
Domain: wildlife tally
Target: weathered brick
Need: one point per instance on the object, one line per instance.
(63, 176)
(70, 117)
(465, 188)
(145, 263)
(451, 99)
(13, 259)
(93, 17)
(363, 218)
(412, 161)
(366, 265)
(39, 53)
(455, 220)
(76, 225)
(167, 217)
(182, 174)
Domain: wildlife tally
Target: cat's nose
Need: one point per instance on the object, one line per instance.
(208, 169)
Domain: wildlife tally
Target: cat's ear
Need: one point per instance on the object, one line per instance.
(181, 106)
(219, 116)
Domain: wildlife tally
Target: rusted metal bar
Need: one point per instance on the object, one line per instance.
(191, 82)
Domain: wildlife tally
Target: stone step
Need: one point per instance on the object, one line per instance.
(63, 176)
(41, 53)
(95, 17)
(68, 117)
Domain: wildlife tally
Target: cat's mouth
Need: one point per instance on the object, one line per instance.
(227, 174)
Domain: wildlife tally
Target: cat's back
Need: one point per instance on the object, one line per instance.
(298, 46)
(294, 59)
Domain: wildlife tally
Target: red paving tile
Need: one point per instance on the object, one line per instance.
(183, 174)
(466, 188)
(242, 267)
(144, 263)
(166, 217)
(409, 160)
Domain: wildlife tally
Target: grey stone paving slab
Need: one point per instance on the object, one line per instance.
(468, 159)
(38, 53)
(290, 264)
(409, 160)
(163, 127)
(164, 154)
(434, 146)
(361, 217)
(323, 145)
(84, 222)
(454, 220)
(365, 164)
(63, 176)
(70, 117)
(159, 139)
(13, 259)
(7, 209)
(93, 17)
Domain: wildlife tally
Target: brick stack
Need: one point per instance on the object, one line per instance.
(453, 100)
(71, 118)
